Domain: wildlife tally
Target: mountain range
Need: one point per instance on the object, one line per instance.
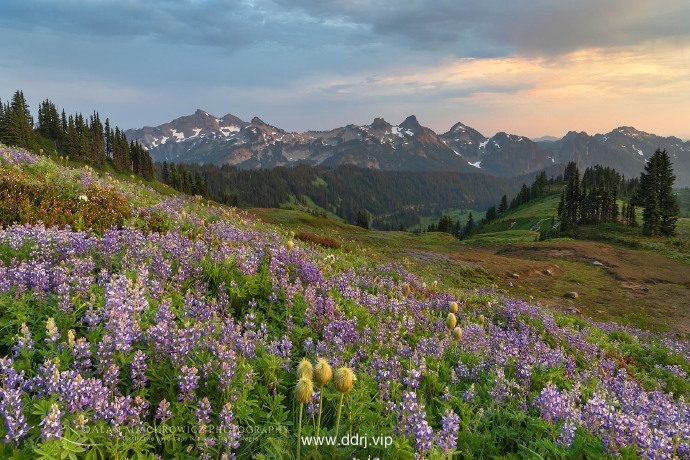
(409, 146)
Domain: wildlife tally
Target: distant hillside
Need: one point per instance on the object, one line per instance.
(391, 198)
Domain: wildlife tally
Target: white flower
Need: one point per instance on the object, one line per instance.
(83, 198)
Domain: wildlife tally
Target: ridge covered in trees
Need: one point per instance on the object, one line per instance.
(77, 137)
(388, 199)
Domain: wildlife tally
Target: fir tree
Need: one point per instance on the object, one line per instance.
(17, 124)
(469, 226)
(503, 207)
(656, 195)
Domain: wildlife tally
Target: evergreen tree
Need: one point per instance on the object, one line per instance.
(539, 186)
(490, 214)
(362, 219)
(656, 195)
(97, 157)
(469, 226)
(108, 135)
(2, 116)
(17, 124)
(503, 207)
(570, 211)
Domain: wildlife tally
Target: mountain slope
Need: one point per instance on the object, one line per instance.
(625, 149)
(409, 146)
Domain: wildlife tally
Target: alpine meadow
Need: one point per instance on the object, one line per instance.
(348, 280)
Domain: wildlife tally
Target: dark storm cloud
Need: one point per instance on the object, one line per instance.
(495, 27)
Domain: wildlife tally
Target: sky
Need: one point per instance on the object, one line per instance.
(529, 67)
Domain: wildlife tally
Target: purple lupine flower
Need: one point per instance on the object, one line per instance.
(24, 341)
(51, 427)
(450, 427)
(412, 422)
(11, 408)
(188, 381)
(82, 356)
(163, 412)
(203, 411)
(468, 395)
(229, 430)
(138, 371)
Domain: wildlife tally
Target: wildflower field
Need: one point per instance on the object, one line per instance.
(176, 328)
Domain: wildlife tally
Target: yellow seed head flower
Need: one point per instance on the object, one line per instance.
(481, 320)
(290, 245)
(304, 390)
(323, 372)
(451, 321)
(305, 369)
(344, 378)
(457, 333)
(406, 289)
(453, 307)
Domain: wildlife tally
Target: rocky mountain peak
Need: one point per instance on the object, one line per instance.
(411, 123)
(380, 124)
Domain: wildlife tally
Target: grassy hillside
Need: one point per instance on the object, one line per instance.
(193, 330)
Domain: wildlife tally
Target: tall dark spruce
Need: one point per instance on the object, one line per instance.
(656, 196)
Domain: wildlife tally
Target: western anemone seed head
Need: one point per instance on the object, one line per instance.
(488, 304)
(481, 320)
(323, 372)
(451, 321)
(453, 307)
(344, 378)
(406, 289)
(305, 369)
(290, 245)
(457, 333)
(304, 390)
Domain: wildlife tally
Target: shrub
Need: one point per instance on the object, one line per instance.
(317, 239)
(23, 200)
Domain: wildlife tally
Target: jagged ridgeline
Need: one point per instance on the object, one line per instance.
(75, 137)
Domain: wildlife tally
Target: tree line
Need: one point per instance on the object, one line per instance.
(76, 137)
(593, 199)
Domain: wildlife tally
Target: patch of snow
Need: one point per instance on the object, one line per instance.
(476, 164)
(178, 136)
(498, 146)
(639, 151)
(164, 139)
(396, 130)
(196, 132)
(409, 132)
(227, 130)
(482, 145)
(457, 153)
(520, 139)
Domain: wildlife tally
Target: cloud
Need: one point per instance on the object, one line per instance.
(496, 27)
(225, 24)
